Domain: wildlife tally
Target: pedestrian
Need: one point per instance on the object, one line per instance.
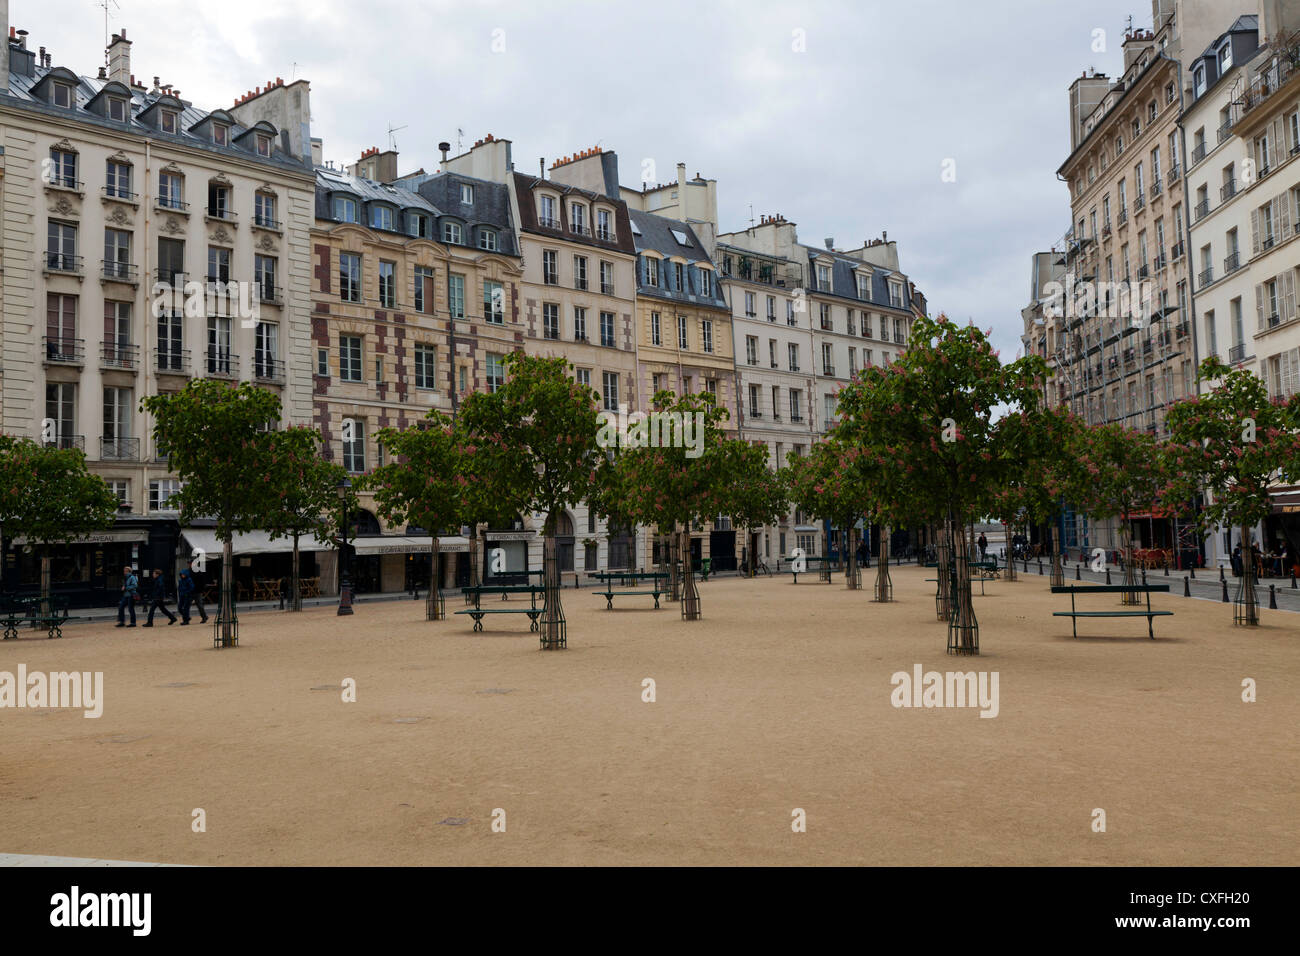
(159, 601)
(184, 594)
(983, 542)
(863, 553)
(198, 594)
(130, 586)
(1236, 561)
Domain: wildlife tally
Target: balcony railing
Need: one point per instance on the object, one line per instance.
(62, 262)
(67, 441)
(1198, 153)
(1237, 353)
(270, 292)
(1205, 278)
(268, 369)
(115, 355)
(119, 192)
(1228, 190)
(1267, 242)
(58, 181)
(605, 234)
(796, 417)
(1160, 263)
(548, 223)
(174, 205)
(580, 230)
(1122, 218)
(1177, 252)
(1105, 230)
(222, 363)
(1274, 320)
(1157, 188)
(828, 370)
(606, 289)
(1225, 131)
(1174, 172)
(266, 222)
(119, 271)
(1144, 271)
(225, 215)
(1139, 201)
(1202, 209)
(1232, 263)
(119, 449)
(175, 361)
(64, 350)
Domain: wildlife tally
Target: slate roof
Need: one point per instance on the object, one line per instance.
(844, 283)
(656, 233)
(87, 88)
(528, 221)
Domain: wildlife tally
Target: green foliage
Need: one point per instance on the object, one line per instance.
(1236, 443)
(754, 495)
(218, 444)
(427, 482)
(48, 494)
(1045, 472)
(303, 486)
(1123, 471)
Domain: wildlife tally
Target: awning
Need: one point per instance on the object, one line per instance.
(250, 542)
(402, 544)
(97, 537)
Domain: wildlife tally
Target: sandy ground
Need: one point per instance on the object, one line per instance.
(779, 699)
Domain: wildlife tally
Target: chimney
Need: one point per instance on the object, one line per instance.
(119, 59)
(830, 244)
(541, 166)
(444, 148)
(4, 46)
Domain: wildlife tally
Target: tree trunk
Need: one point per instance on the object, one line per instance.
(690, 594)
(295, 592)
(1247, 610)
(475, 576)
(671, 546)
(433, 600)
(854, 581)
(226, 608)
(1007, 534)
(45, 580)
(554, 630)
(943, 593)
(1130, 573)
(963, 628)
(1058, 570)
(884, 586)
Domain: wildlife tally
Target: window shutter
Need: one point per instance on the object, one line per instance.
(1263, 374)
(1283, 219)
(1259, 304)
(1291, 378)
(1254, 231)
(1287, 279)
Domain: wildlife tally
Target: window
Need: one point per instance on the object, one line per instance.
(466, 194)
(495, 371)
(453, 233)
(117, 444)
(580, 272)
(350, 358)
(896, 294)
(218, 264)
(264, 275)
(796, 405)
(607, 329)
(864, 288)
(579, 324)
(706, 283)
(823, 278)
(749, 304)
(170, 356)
(828, 359)
(218, 201)
(753, 402)
(263, 144)
(117, 180)
(463, 386)
(423, 289)
(171, 260)
(1225, 57)
(266, 350)
(117, 334)
(609, 390)
(771, 352)
(494, 302)
(550, 267)
(550, 320)
(606, 278)
(381, 217)
(578, 218)
(117, 253)
(354, 451)
(546, 212)
(828, 408)
(323, 363)
(345, 209)
(387, 284)
(656, 337)
(825, 313)
(866, 325)
(604, 225)
(161, 491)
(652, 272)
(789, 313)
(679, 276)
(456, 296)
(1210, 336)
(220, 134)
(751, 349)
(264, 211)
(169, 121)
(771, 308)
(793, 351)
(706, 334)
(426, 367)
(63, 168)
(349, 277)
(682, 341)
(656, 383)
(62, 95)
(583, 377)
(487, 240)
(169, 191)
(853, 361)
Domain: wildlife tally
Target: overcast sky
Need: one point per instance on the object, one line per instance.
(847, 138)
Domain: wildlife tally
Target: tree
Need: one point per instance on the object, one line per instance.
(1123, 470)
(218, 440)
(426, 484)
(826, 485)
(1237, 444)
(49, 496)
(538, 433)
(681, 476)
(927, 423)
(304, 488)
(756, 495)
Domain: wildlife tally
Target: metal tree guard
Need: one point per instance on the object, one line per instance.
(435, 606)
(554, 630)
(853, 574)
(884, 585)
(963, 628)
(1245, 607)
(942, 591)
(225, 626)
(690, 594)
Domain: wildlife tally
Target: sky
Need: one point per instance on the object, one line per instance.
(940, 122)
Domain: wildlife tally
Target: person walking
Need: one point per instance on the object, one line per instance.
(130, 587)
(184, 595)
(983, 542)
(198, 595)
(1236, 561)
(159, 601)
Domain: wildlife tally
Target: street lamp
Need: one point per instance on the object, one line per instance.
(345, 581)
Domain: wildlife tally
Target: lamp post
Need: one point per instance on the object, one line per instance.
(345, 581)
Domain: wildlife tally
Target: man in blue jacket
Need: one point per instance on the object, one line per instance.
(130, 585)
(159, 602)
(184, 594)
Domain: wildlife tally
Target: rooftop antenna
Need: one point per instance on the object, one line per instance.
(751, 215)
(459, 133)
(392, 140)
(1128, 25)
(294, 75)
(105, 5)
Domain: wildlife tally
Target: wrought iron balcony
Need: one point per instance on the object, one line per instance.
(1139, 202)
(225, 215)
(1202, 209)
(1225, 131)
(1228, 190)
(1231, 264)
(266, 222)
(63, 350)
(270, 292)
(268, 369)
(1205, 278)
(1198, 153)
(173, 361)
(118, 355)
(62, 262)
(1156, 188)
(1237, 353)
(1122, 218)
(121, 193)
(1174, 172)
(222, 363)
(119, 449)
(67, 441)
(172, 204)
(119, 271)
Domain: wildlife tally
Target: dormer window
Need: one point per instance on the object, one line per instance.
(823, 278)
(345, 209)
(417, 224)
(263, 144)
(62, 95)
(466, 194)
(381, 217)
(1198, 80)
(220, 134)
(453, 234)
(604, 225)
(1225, 58)
(169, 121)
(864, 288)
(546, 211)
(117, 109)
(487, 240)
(578, 218)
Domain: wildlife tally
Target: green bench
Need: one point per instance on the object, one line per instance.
(828, 567)
(609, 594)
(27, 612)
(1146, 589)
(478, 613)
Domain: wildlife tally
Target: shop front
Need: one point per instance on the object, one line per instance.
(263, 567)
(87, 571)
(386, 564)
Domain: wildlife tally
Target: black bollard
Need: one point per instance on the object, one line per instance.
(1077, 569)
(1293, 580)
(1272, 597)
(1225, 591)
(1040, 565)
(1108, 576)
(1192, 568)
(1166, 570)
(1221, 573)
(1144, 577)
(1187, 587)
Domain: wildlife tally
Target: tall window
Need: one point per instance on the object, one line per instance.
(656, 333)
(706, 335)
(117, 179)
(456, 296)
(350, 358)
(264, 210)
(349, 277)
(426, 366)
(609, 390)
(494, 302)
(218, 200)
(604, 225)
(550, 267)
(751, 350)
(61, 246)
(652, 272)
(579, 269)
(793, 350)
(63, 168)
(495, 372)
(607, 329)
(354, 446)
(423, 289)
(169, 191)
(61, 409)
(579, 324)
(117, 253)
(264, 275)
(220, 359)
(550, 320)
(682, 341)
(218, 264)
(117, 334)
(170, 356)
(266, 350)
(606, 278)
(117, 443)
